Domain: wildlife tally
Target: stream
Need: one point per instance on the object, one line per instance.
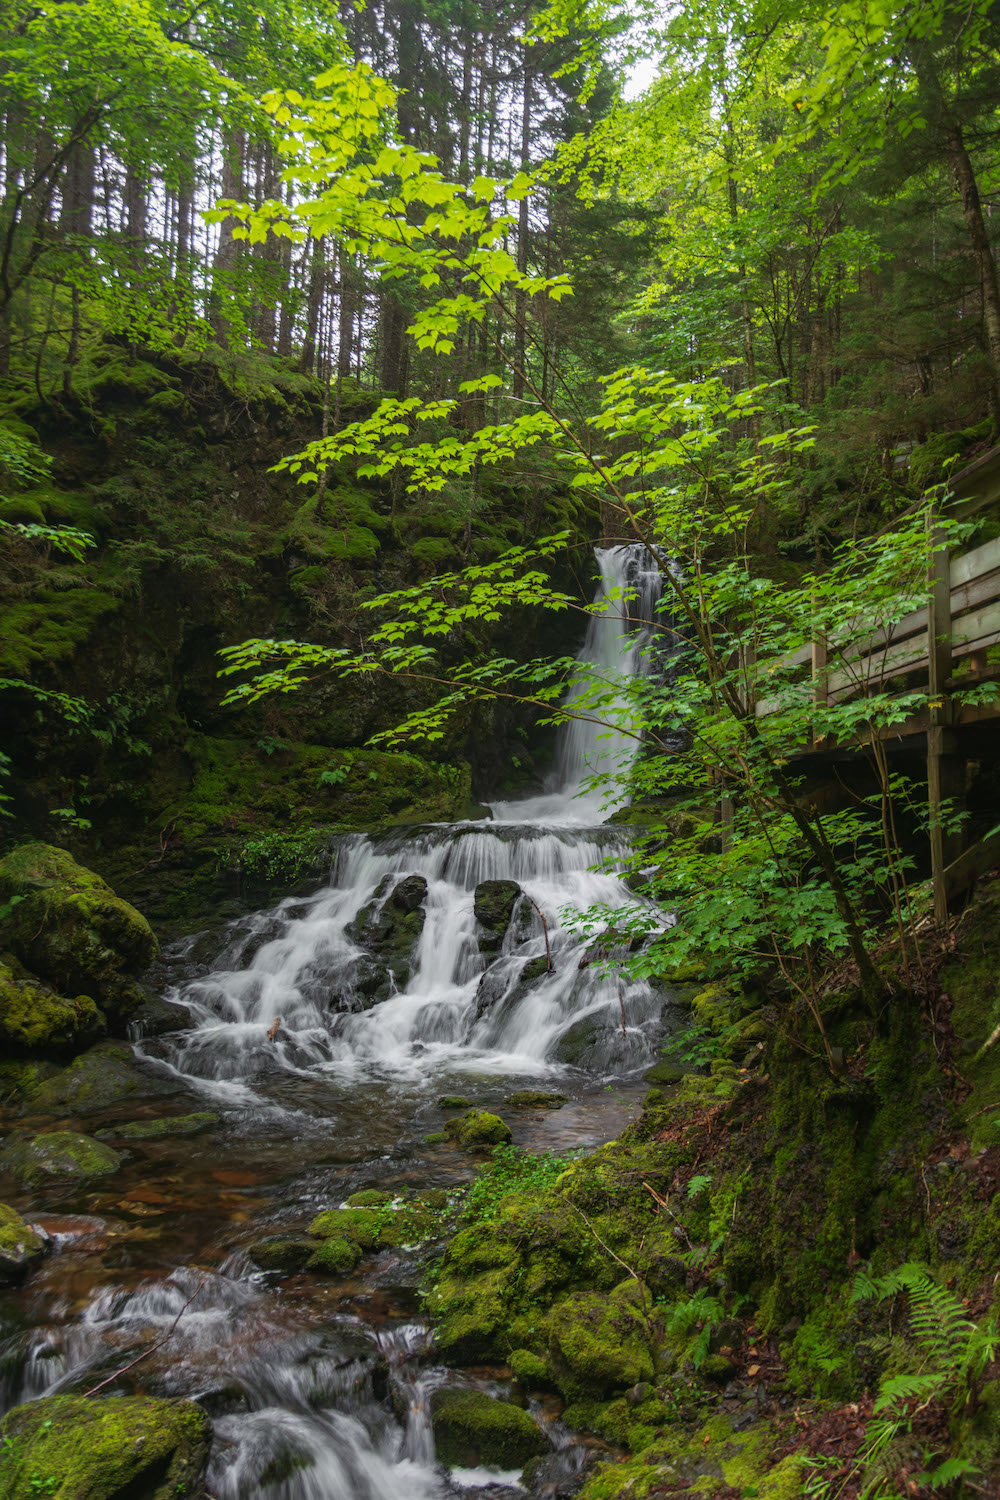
(323, 1041)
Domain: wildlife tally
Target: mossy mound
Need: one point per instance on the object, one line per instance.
(531, 1370)
(122, 1448)
(35, 1019)
(57, 1154)
(334, 1257)
(68, 926)
(471, 1428)
(478, 1130)
(597, 1344)
(105, 1074)
(20, 1246)
(453, 1101)
(370, 1198)
(152, 1130)
(387, 1227)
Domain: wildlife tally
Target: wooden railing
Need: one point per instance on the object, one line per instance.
(959, 623)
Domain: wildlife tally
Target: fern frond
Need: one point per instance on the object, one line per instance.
(951, 1469)
(901, 1387)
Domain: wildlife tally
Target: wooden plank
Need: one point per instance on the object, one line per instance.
(971, 632)
(964, 871)
(973, 564)
(942, 781)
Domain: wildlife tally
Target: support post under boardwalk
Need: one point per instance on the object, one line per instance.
(945, 769)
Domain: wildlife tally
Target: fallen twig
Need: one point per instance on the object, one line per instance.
(152, 1348)
(545, 929)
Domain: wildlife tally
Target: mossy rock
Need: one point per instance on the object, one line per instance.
(536, 1099)
(380, 1228)
(334, 1257)
(105, 1074)
(370, 1198)
(597, 1345)
(471, 1428)
(281, 1253)
(494, 904)
(478, 1130)
(535, 968)
(68, 926)
(34, 1018)
(531, 1370)
(20, 1247)
(361, 1226)
(152, 1130)
(57, 1154)
(665, 1073)
(121, 1448)
(51, 627)
(453, 1101)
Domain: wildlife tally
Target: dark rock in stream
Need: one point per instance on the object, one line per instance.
(494, 905)
(101, 1076)
(158, 1017)
(559, 1476)
(388, 929)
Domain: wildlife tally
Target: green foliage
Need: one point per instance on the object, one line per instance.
(511, 1170)
(276, 857)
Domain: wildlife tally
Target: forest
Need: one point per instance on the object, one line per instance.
(499, 818)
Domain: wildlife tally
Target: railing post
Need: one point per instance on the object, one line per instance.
(820, 683)
(945, 770)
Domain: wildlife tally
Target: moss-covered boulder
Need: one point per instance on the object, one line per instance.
(494, 904)
(471, 1428)
(597, 1344)
(20, 1246)
(34, 1018)
(388, 929)
(334, 1257)
(386, 1227)
(122, 1448)
(68, 926)
(454, 1101)
(105, 1074)
(478, 1130)
(57, 1154)
(536, 1099)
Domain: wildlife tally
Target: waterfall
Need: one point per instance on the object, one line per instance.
(326, 986)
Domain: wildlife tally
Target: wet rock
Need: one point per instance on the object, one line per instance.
(33, 1018)
(531, 1370)
(534, 969)
(151, 1130)
(536, 1099)
(20, 1247)
(726, 1335)
(370, 1198)
(281, 1253)
(57, 1154)
(68, 926)
(388, 928)
(478, 1130)
(103, 1075)
(120, 1448)
(494, 904)
(717, 1369)
(559, 1476)
(579, 1040)
(156, 1017)
(472, 1428)
(453, 1101)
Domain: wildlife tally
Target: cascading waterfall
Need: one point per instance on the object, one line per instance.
(376, 988)
(292, 994)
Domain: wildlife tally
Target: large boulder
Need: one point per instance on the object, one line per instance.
(472, 1428)
(67, 925)
(56, 1154)
(20, 1246)
(388, 930)
(494, 904)
(35, 1019)
(479, 1130)
(103, 1075)
(121, 1448)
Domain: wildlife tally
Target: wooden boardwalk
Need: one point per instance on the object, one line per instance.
(941, 648)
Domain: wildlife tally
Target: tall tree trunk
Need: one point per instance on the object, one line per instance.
(521, 300)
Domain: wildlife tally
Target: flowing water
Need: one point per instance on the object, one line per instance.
(323, 1032)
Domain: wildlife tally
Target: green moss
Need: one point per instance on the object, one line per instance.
(57, 1154)
(699, 1461)
(531, 1370)
(69, 927)
(471, 1428)
(433, 552)
(105, 1074)
(151, 1130)
(78, 1448)
(943, 454)
(478, 1129)
(370, 1198)
(22, 510)
(334, 1257)
(537, 1099)
(596, 1346)
(34, 1019)
(362, 1226)
(20, 1247)
(453, 1101)
(50, 627)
